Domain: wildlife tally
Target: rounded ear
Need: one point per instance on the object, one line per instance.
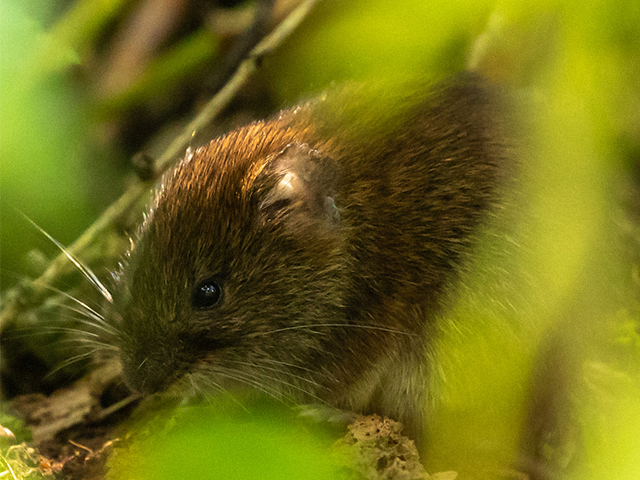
(305, 184)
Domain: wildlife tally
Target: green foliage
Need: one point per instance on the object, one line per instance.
(558, 269)
(577, 63)
(376, 39)
(43, 133)
(55, 168)
(17, 427)
(16, 458)
(21, 462)
(222, 439)
(163, 76)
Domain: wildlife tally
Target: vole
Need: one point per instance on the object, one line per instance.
(307, 255)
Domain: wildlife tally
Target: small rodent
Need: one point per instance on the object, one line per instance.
(307, 255)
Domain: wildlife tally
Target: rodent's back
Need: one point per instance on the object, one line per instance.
(329, 232)
(413, 195)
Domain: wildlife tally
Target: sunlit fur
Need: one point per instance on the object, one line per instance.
(330, 285)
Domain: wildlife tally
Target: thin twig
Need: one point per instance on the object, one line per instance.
(226, 93)
(11, 306)
(105, 412)
(243, 46)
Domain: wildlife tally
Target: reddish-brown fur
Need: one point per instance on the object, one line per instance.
(330, 285)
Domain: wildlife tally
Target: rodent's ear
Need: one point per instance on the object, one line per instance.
(305, 182)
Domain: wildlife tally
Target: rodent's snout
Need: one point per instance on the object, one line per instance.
(149, 375)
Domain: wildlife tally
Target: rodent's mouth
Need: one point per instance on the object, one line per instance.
(158, 370)
(151, 383)
(152, 374)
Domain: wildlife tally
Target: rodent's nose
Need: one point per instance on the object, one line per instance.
(149, 375)
(153, 382)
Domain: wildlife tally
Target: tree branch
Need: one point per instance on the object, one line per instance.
(12, 304)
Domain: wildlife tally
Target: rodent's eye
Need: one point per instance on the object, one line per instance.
(206, 294)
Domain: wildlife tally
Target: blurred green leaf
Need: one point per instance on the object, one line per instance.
(166, 73)
(222, 440)
(43, 135)
(84, 20)
(366, 39)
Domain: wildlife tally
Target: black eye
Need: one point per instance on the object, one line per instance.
(206, 294)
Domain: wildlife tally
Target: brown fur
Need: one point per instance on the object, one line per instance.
(321, 302)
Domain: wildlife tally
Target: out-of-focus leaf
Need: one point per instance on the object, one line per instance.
(165, 73)
(222, 440)
(43, 136)
(366, 39)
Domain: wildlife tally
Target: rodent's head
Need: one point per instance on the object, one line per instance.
(237, 258)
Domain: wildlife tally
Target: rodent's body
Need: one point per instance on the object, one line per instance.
(331, 235)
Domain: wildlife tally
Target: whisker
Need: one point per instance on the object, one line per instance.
(87, 321)
(72, 360)
(39, 330)
(253, 382)
(143, 362)
(190, 384)
(257, 377)
(280, 362)
(209, 383)
(278, 370)
(317, 325)
(82, 336)
(89, 317)
(74, 299)
(88, 313)
(217, 387)
(35, 332)
(86, 341)
(111, 332)
(86, 271)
